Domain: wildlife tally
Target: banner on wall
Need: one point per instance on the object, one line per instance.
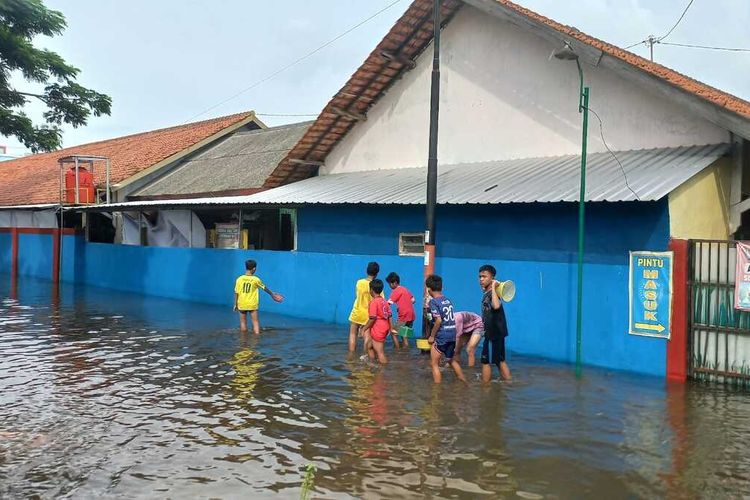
(742, 277)
(651, 294)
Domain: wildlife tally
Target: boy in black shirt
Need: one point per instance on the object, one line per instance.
(495, 326)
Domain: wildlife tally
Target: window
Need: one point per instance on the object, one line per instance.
(211, 227)
(260, 229)
(411, 244)
(100, 227)
(288, 227)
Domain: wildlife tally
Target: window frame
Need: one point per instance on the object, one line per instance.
(401, 247)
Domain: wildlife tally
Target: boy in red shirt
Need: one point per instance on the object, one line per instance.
(404, 301)
(379, 325)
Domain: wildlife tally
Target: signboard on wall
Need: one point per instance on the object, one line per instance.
(227, 236)
(742, 277)
(650, 294)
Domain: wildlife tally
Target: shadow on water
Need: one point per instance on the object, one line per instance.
(112, 394)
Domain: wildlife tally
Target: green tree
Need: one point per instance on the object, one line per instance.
(66, 101)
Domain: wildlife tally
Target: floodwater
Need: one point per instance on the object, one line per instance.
(106, 394)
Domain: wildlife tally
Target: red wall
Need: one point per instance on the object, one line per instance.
(677, 345)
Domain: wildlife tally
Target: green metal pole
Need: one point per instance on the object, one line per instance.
(583, 108)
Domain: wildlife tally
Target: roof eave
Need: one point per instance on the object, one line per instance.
(200, 194)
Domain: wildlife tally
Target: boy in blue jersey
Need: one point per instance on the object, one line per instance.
(443, 332)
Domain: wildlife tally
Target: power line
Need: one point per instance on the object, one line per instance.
(652, 40)
(636, 43)
(708, 47)
(678, 21)
(296, 61)
(601, 133)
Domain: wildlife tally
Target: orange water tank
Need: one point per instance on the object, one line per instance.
(86, 190)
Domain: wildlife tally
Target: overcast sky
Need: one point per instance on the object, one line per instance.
(167, 62)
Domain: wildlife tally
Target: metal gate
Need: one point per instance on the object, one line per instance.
(719, 335)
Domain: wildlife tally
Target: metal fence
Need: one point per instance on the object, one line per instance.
(719, 338)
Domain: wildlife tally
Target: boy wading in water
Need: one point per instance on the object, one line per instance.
(379, 323)
(443, 332)
(469, 331)
(246, 297)
(495, 326)
(360, 310)
(404, 301)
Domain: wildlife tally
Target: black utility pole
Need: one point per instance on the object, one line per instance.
(432, 174)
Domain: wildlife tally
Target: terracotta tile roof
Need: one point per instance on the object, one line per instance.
(408, 38)
(36, 179)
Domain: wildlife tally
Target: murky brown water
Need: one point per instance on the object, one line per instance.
(105, 394)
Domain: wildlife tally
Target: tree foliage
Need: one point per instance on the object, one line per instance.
(66, 101)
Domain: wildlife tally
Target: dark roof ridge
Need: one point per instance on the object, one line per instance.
(277, 127)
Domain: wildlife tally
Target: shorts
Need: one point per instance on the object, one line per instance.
(405, 323)
(478, 332)
(243, 311)
(497, 346)
(378, 336)
(446, 348)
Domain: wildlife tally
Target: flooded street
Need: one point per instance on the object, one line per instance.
(105, 394)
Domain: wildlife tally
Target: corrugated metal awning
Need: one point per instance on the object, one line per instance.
(651, 174)
(38, 206)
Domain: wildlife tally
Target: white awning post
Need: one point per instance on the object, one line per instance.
(140, 228)
(239, 229)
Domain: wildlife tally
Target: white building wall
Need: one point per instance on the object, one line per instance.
(501, 97)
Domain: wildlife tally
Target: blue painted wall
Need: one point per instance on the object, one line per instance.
(35, 255)
(544, 231)
(5, 252)
(316, 286)
(535, 245)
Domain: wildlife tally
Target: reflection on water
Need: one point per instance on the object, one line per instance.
(246, 372)
(109, 394)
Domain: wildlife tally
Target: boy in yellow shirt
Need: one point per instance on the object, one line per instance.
(246, 297)
(360, 314)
